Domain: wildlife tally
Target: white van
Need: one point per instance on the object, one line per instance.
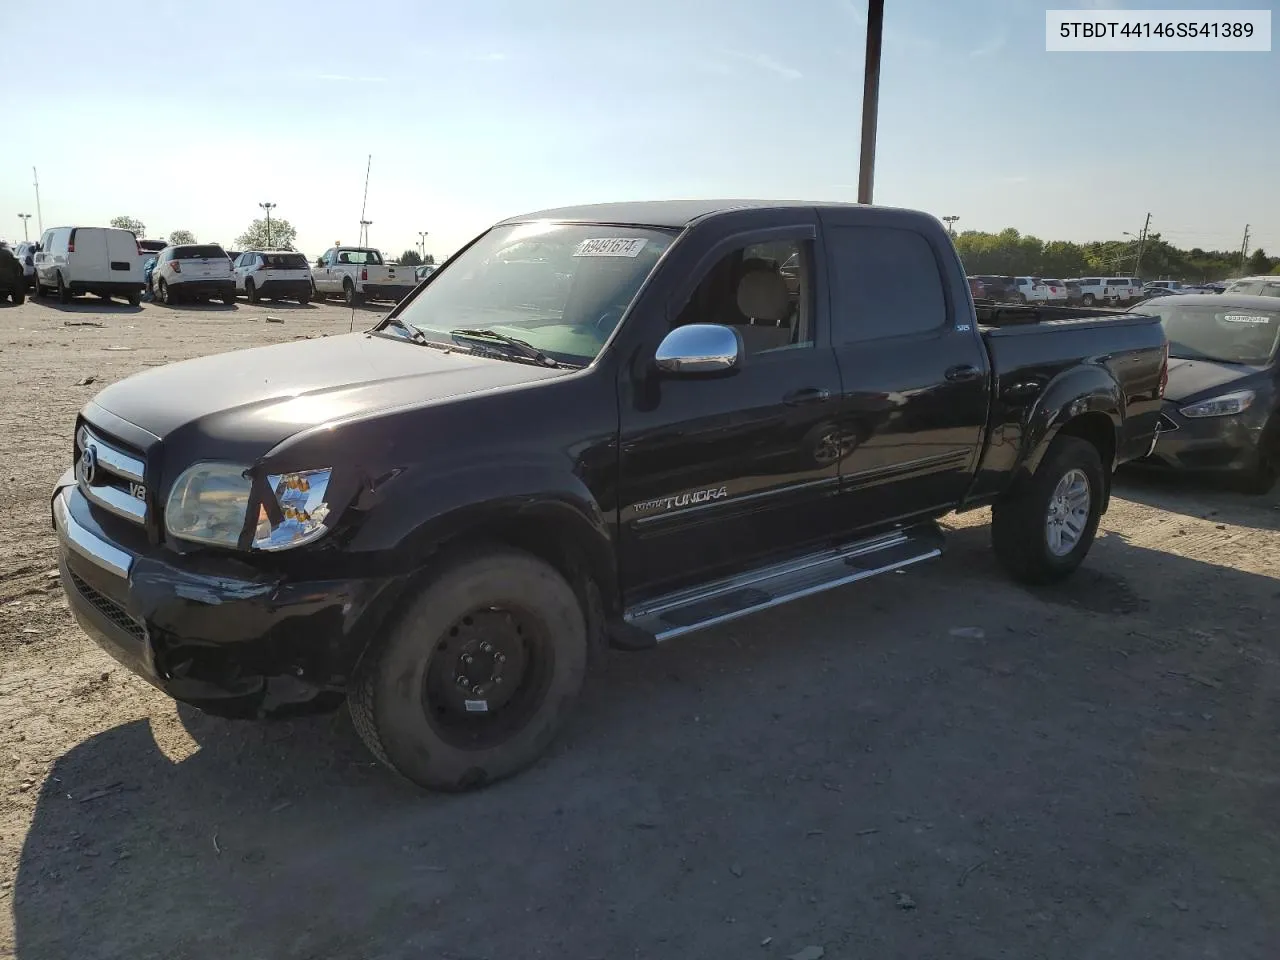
(101, 260)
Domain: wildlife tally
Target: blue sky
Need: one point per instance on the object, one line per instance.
(186, 115)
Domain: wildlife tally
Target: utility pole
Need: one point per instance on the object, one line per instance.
(364, 232)
(870, 99)
(267, 207)
(422, 243)
(951, 224)
(1244, 249)
(1142, 245)
(25, 217)
(35, 177)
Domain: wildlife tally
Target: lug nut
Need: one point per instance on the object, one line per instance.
(476, 689)
(501, 658)
(467, 658)
(462, 681)
(486, 647)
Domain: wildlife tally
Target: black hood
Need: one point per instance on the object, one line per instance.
(241, 404)
(1189, 378)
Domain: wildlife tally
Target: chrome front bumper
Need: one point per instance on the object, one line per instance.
(86, 543)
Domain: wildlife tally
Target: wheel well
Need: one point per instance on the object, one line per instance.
(546, 538)
(1097, 429)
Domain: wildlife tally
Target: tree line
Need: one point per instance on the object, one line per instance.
(1009, 252)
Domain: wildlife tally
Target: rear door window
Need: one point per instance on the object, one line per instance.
(886, 283)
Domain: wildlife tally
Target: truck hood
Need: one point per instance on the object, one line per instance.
(239, 405)
(1189, 378)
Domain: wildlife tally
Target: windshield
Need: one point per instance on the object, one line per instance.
(562, 288)
(1244, 335)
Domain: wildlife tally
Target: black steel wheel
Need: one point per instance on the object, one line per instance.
(477, 675)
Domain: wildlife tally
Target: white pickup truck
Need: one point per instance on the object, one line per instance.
(360, 273)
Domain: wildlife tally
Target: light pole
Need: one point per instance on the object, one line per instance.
(422, 244)
(268, 207)
(950, 222)
(25, 217)
(870, 99)
(364, 232)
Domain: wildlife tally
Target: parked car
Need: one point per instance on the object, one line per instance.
(977, 289)
(1268, 286)
(193, 271)
(1030, 290)
(13, 281)
(99, 260)
(273, 275)
(25, 253)
(1000, 289)
(360, 273)
(1173, 285)
(642, 435)
(1074, 296)
(149, 248)
(1221, 409)
(1149, 293)
(424, 270)
(1057, 290)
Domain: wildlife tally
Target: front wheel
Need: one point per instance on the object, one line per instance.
(1089, 300)
(1043, 531)
(250, 291)
(477, 676)
(64, 292)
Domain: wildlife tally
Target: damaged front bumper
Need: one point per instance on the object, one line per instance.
(211, 630)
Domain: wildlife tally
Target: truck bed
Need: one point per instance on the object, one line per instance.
(996, 316)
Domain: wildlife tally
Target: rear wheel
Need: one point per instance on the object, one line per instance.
(135, 299)
(167, 296)
(229, 298)
(477, 676)
(1043, 531)
(250, 291)
(64, 293)
(349, 295)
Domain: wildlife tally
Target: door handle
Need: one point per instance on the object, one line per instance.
(806, 395)
(962, 373)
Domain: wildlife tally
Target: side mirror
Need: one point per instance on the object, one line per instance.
(320, 262)
(700, 348)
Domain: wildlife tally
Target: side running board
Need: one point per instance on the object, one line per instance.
(693, 609)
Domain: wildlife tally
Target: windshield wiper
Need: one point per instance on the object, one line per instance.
(521, 347)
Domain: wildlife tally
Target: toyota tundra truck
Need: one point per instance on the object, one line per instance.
(600, 426)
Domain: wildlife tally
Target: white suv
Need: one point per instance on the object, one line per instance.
(193, 271)
(1031, 290)
(1057, 291)
(273, 275)
(1106, 290)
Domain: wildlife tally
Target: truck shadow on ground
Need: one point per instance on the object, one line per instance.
(1062, 777)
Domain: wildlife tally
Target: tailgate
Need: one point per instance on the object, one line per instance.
(390, 275)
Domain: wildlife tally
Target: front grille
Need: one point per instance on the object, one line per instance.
(111, 476)
(1167, 423)
(110, 609)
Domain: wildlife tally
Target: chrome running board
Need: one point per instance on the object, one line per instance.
(685, 611)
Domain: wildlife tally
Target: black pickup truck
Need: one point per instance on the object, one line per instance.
(608, 425)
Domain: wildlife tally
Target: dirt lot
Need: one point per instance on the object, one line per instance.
(938, 763)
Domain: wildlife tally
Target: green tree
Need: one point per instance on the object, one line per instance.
(430, 258)
(1259, 263)
(255, 237)
(1275, 271)
(411, 258)
(182, 236)
(136, 227)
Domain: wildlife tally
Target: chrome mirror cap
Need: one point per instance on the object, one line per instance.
(700, 348)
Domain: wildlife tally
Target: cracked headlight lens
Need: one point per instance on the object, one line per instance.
(301, 499)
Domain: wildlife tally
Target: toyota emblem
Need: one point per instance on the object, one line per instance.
(88, 466)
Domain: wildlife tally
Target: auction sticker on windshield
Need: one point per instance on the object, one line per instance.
(610, 247)
(1245, 318)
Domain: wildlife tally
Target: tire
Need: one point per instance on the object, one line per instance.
(38, 291)
(303, 301)
(19, 296)
(349, 295)
(135, 299)
(316, 295)
(250, 291)
(1020, 524)
(1088, 300)
(167, 296)
(64, 293)
(1021, 299)
(229, 298)
(417, 721)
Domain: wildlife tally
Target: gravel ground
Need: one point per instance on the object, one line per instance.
(938, 763)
